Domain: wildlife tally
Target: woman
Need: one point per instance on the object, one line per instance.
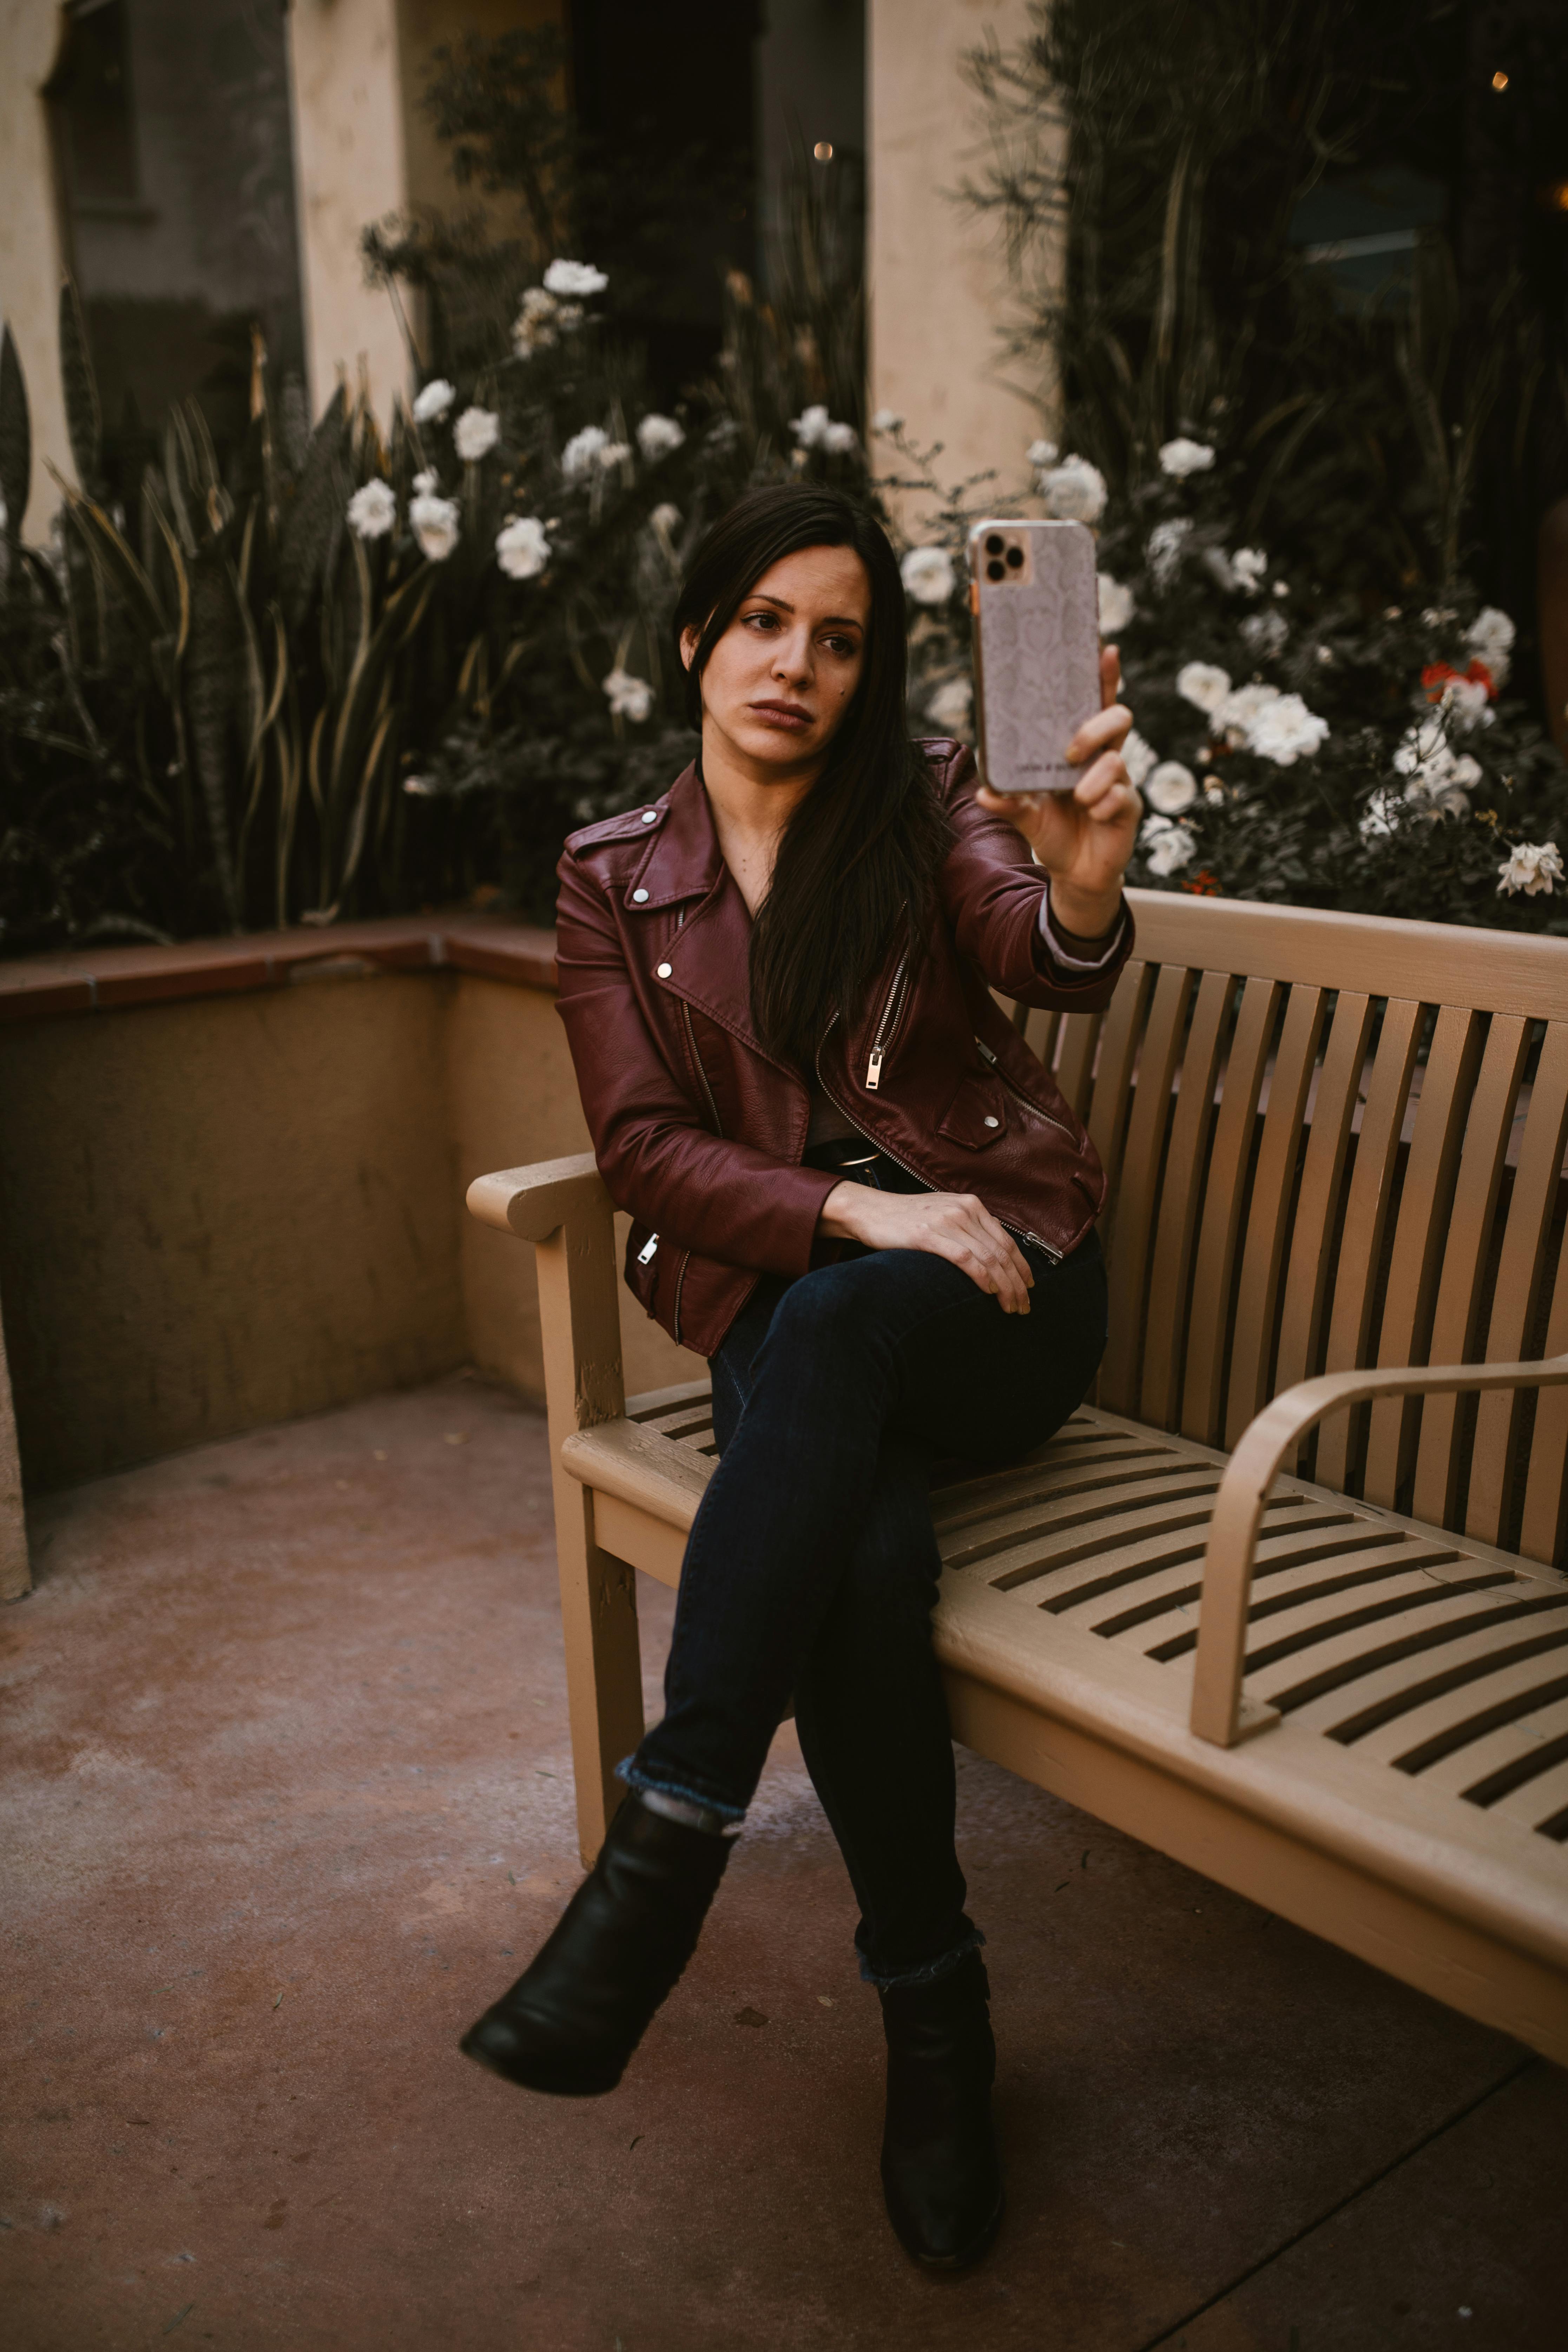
(858, 1194)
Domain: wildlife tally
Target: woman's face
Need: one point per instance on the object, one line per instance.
(777, 684)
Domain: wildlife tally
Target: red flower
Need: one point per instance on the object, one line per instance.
(1203, 885)
(1436, 677)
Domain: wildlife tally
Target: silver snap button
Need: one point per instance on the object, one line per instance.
(664, 971)
(992, 1122)
(640, 896)
(650, 816)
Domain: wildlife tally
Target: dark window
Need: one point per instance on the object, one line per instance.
(92, 94)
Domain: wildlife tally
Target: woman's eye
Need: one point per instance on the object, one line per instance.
(845, 648)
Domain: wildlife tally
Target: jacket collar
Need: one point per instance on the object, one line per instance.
(684, 860)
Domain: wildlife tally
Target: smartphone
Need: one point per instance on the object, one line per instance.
(1034, 598)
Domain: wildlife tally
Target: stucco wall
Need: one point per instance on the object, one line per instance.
(220, 1212)
(937, 278)
(233, 1210)
(30, 257)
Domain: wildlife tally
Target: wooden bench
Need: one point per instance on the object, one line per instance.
(1276, 1602)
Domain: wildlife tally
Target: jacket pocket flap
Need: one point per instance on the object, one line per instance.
(977, 1115)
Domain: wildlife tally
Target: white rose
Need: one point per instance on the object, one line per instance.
(1285, 730)
(1380, 818)
(1074, 491)
(581, 452)
(887, 420)
(613, 453)
(434, 522)
(435, 400)
(1266, 631)
(1535, 868)
(1469, 702)
(926, 573)
(1203, 684)
(952, 704)
(1116, 605)
(1182, 456)
(424, 483)
(810, 426)
(536, 322)
(1041, 453)
(630, 697)
(373, 511)
(522, 549)
(1249, 564)
(474, 433)
(1240, 708)
(1168, 847)
(839, 439)
(666, 517)
(575, 279)
(1490, 638)
(1137, 757)
(657, 436)
(1166, 541)
(1171, 788)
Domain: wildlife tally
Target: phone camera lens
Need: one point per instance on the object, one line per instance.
(996, 572)
(994, 544)
(1015, 558)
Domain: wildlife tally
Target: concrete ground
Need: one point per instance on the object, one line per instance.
(287, 1801)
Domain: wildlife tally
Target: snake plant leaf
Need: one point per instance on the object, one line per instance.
(84, 415)
(179, 473)
(315, 514)
(114, 562)
(15, 439)
(158, 522)
(405, 612)
(212, 678)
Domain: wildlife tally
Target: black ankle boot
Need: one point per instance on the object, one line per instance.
(571, 2021)
(940, 2170)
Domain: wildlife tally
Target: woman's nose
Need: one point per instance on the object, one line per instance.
(792, 655)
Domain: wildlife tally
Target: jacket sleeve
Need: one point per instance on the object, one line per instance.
(993, 892)
(695, 1189)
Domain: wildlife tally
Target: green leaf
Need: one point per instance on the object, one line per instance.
(84, 417)
(15, 439)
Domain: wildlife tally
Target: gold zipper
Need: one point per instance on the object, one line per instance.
(885, 1028)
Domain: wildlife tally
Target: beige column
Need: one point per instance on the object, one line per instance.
(941, 291)
(31, 262)
(351, 168)
(16, 1577)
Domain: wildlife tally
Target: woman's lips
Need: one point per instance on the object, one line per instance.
(787, 715)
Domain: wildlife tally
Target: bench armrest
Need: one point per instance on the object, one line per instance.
(1218, 1711)
(532, 1202)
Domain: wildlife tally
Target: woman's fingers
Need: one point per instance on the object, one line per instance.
(1109, 675)
(1106, 730)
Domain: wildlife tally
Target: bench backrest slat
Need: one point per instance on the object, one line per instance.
(1224, 1197)
(1524, 1243)
(1334, 1111)
(1453, 1056)
(1181, 1203)
(1456, 1325)
(1333, 1142)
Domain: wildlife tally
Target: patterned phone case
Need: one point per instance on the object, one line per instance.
(1037, 652)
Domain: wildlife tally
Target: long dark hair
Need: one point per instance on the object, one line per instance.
(857, 865)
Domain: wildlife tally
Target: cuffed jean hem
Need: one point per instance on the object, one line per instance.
(688, 1805)
(927, 1972)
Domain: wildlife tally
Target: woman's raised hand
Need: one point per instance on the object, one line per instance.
(1085, 838)
(949, 1224)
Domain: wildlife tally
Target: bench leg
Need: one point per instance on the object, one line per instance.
(603, 1662)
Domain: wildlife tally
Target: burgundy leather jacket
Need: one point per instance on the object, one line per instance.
(699, 1131)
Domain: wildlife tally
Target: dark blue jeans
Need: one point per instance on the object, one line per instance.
(812, 1566)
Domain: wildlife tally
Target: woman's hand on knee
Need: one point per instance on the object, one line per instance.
(954, 1225)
